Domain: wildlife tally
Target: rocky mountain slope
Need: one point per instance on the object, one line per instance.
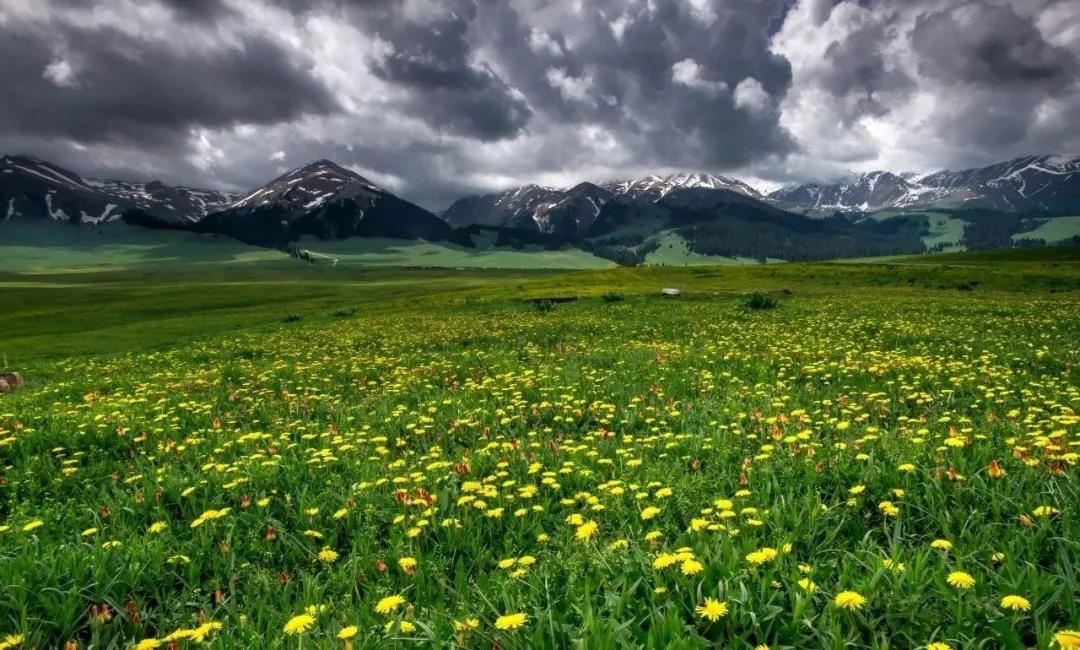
(573, 210)
(1045, 184)
(1011, 203)
(324, 200)
(33, 188)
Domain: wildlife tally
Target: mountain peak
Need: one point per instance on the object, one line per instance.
(309, 187)
(1038, 182)
(660, 186)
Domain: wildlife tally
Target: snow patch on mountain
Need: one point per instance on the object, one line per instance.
(1027, 183)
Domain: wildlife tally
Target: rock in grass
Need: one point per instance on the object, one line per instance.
(4, 387)
(13, 379)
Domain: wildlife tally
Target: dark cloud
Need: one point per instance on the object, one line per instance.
(991, 45)
(439, 98)
(433, 59)
(118, 88)
(857, 65)
(623, 55)
(1000, 68)
(198, 10)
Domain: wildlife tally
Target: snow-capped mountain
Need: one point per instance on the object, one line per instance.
(321, 199)
(574, 210)
(308, 187)
(38, 189)
(657, 187)
(189, 203)
(532, 207)
(1031, 183)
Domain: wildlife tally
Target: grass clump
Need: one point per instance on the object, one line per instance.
(758, 300)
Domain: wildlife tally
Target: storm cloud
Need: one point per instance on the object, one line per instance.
(437, 99)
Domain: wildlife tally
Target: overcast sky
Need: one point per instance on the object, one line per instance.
(439, 99)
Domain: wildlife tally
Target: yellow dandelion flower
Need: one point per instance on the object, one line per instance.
(960, 580)
(1067, 639)
(849, 600)
(649, 513)
(347, 633)
(299, 624)
(586, 530)
(761, 556)
(888, 508)
(511, 621)
(1016, 603)
(389, 604)
(468, 625)
(712, 609)
(328, 555)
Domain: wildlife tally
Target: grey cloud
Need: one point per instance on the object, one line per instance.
(198, 10)
(993, 46)
(434, 60)
(1000, 68)
(130, 90)
(858, 66)
(520, 89)
(632, 90)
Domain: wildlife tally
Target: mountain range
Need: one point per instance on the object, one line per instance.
(627, 220)
(1046, 184)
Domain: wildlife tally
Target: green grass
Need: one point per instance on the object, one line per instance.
(675, 251)
(40, 247)
(944, 230)
(211, 454)
(380, 251)
(62, 314)
(1053, 230)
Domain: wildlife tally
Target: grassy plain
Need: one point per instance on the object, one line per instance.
(284, 455)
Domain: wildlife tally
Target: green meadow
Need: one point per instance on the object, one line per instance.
(236, 451)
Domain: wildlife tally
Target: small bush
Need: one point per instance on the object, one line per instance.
(344, 313)
(292, 318)
(611, 296)
(543, 306)
(759, 300)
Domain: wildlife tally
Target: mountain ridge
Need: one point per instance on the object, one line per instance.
(622, 220)
(1045, 183)
(31, 187)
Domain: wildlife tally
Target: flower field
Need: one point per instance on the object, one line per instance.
(877, 468)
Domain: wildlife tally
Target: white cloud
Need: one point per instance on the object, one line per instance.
(278, 155)
(751, 96)
(902, 127)
(619, 25)
(702, 10)
(572, 89)
(688, 73)
(204, 154)
(60, 73)
(540, 42)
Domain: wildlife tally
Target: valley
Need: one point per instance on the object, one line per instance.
(326, 214)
